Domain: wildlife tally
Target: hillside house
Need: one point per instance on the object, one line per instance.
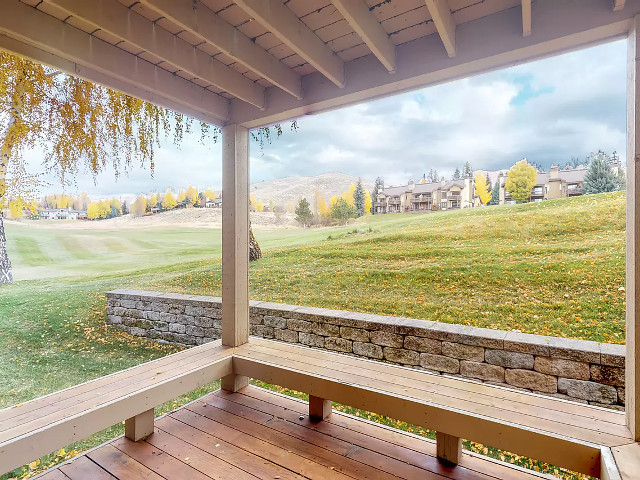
(298, 58)
(556, 183)
(418, 197)
(62, 214)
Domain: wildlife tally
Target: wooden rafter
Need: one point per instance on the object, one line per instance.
(115, 18)
(290, 30)
(441, 15)
(526, 18)
(199, 20)
(92, 57)
(365, 24)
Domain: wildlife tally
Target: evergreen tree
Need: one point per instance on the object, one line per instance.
(341, 210)
(358, 197)
(600, 177)
(433, 176)
(488, 180)
(303, 213)
(456, 174)
(495, 194)
(124, 208)
(622, 179)
(467, 171)
(377, 188)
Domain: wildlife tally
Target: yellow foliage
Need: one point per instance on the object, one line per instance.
(482, 189)
(368, 203)
(260, 206)
(182, 196)
(348, 195)
(15, 209)
(521, 178)
(169, 202)
(321, 206)
(152, 201)
(210, 194)
(191, 195)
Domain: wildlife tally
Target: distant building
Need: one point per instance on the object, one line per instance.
(454, 194)
(217, 203)
(556, 183)
(445, 195)
(62, 214)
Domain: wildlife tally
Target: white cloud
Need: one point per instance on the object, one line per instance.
(547, 110)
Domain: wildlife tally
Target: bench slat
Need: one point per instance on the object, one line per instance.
(40, 403)
(449, 393)
(93, 398)
(40, 441)
(372, 395)
(466, 385)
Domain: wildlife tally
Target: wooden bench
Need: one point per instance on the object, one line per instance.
(41, 426)
(573, 436)
(582, 438)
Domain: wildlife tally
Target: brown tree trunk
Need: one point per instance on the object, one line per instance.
(5, 264)
(254, 249)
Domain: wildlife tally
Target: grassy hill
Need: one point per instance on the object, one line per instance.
(554, 268)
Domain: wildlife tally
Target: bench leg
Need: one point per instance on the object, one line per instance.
(139, 427)
(319, 408)
(449, 448)
(233, 383)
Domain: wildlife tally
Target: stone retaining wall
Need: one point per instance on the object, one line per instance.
(577, 370)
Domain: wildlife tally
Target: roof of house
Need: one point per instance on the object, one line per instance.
(451, 183)
(426, 187)
(391, 191)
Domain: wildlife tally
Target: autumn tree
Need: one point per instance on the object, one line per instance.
(303, 213)
(358, 198)
(368, 204)
(482, 189)
(169, 202)
(139, 207)
(191, 195)
(341, 210)
(77, 123)
(210, 194)
(521, 178)
(152, 202)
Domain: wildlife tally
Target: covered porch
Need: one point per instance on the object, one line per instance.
(249, 64)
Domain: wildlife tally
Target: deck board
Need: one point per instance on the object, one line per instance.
(256, 434)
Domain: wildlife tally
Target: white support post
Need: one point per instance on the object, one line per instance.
(319, 408)
(139, 427)
(235, 243)
(449, 448)
(632, 386)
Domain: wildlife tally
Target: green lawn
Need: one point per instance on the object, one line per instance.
(552, 268)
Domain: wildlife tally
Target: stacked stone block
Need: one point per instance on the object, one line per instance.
(576, 370)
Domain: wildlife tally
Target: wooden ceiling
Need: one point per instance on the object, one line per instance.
(220, 56)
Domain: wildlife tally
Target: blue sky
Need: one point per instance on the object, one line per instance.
(547, 111)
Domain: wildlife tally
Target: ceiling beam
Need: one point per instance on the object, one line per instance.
(489, 43)
(115, 18)
(446, 27)
(618, 5)
(365, 24)
(198, 19)
(526, 18)
(276, 17)
(47, 33)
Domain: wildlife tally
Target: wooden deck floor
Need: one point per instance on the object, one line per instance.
(258, 434)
